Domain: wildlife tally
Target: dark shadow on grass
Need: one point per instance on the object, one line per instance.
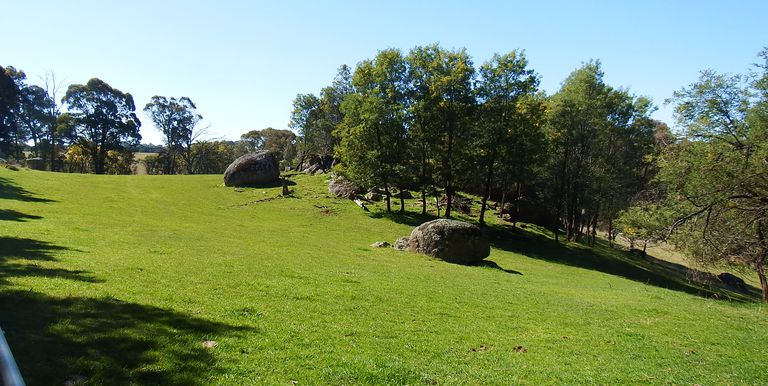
(107, 341)
(96, 341)
(275, 184)
(534, 243)
(407, 218)
(493, 265)
(12, 215)
(11, 191)
(19, 257)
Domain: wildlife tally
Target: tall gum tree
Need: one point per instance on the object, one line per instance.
(374, 130)
(503, 81)
(442, 85)
(105, 118)
(599, 138)
(176, 119)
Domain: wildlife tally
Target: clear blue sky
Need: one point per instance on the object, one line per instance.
(243, 62)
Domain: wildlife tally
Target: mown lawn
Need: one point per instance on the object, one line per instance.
(120, 279)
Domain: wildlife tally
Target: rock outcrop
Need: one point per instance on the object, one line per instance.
(341, 187)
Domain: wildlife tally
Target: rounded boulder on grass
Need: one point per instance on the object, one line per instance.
(450, 240)
(253, 169)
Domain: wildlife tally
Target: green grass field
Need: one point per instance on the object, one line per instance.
(120, 280)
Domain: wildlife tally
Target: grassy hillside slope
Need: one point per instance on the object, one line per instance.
(120, 279)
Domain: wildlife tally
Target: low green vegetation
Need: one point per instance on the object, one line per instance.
(121, 279)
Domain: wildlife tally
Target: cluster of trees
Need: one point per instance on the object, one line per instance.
(97, 126)
(30, 113)
(430, 121)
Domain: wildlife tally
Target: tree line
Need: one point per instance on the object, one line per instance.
(429, 120)
(94, 128)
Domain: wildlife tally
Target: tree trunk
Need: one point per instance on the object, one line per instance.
(448, 199)
(594, 224)
(300, 165)
(559, 199)
(763, 282)
(449, 173)
(572, 217)
(402, 200)
(500, 211)
(98, 161)
(424, 166)
(518, 197)
(488, 180)
(760, 264)
(610, 232)
(557, 224)
(388, 196)
(188, 160)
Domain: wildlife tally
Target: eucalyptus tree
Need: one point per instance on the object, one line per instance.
(16, 132)
(442, 107)
(34, 115)
(176, 119)
(305, 117)
(105, 119)
(373, 132)
(55, 130)
(9, 100)
(599, 139)
(315, 118)
(716, 175)
(503, 81)
(281, 143)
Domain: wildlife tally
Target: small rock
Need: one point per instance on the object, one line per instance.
(373, 196)
(210, 343)
(401, 244)
(380, 244)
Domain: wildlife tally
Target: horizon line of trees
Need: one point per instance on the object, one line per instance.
(93, 128)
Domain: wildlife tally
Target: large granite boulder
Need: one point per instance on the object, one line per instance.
(342, 187)
(450, 240)
(253, 169)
